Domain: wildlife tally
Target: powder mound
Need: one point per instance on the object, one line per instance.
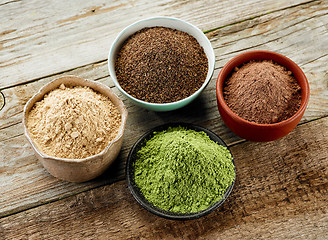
(161, 65)
(73, 122)
(262, 92)
(182, 170)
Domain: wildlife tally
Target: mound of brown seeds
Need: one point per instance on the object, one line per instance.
(161, 65)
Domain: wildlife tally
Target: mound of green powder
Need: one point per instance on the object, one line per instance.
(183, 171)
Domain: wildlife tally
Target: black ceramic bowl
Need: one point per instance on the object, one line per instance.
(139, 196)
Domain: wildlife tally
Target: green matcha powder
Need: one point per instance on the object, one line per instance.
(183, 171)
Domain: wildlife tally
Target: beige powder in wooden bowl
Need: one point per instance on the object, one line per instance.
(73, 122)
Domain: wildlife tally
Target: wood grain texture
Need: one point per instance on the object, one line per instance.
(39, 38)
(2, 101)
(278, 195)
(23, 181)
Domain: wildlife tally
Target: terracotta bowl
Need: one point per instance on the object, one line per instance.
(254, 131)
(78, 170)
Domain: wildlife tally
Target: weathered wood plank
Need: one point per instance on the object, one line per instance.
(24, 183)
(41, 38)
(2, 101)
(299, 33)
(278, 195)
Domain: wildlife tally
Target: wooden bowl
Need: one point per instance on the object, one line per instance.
(78, 170)
(254, 131)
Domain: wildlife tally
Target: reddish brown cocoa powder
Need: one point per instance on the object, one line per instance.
(161, 65)
(262, 92)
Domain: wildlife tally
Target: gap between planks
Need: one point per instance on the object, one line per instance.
(205, 31)
(260, 15)
(283, 195)
(232, 145)
(203, 98)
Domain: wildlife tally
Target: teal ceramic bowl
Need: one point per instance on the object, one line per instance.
(170, 23)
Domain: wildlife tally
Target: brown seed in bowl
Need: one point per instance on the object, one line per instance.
(161, 65)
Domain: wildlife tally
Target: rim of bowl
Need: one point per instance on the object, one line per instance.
(115, 46)
(39, 93)
(231, 63)
(156, 210)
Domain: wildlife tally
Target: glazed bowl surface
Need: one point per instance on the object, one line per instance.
(134, 189)
(169, 22)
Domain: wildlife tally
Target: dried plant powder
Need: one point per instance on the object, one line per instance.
(161, 65)
(183, 171)
(262, 92)
(73, 122)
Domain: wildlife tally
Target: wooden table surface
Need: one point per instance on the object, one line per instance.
(281, 186)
